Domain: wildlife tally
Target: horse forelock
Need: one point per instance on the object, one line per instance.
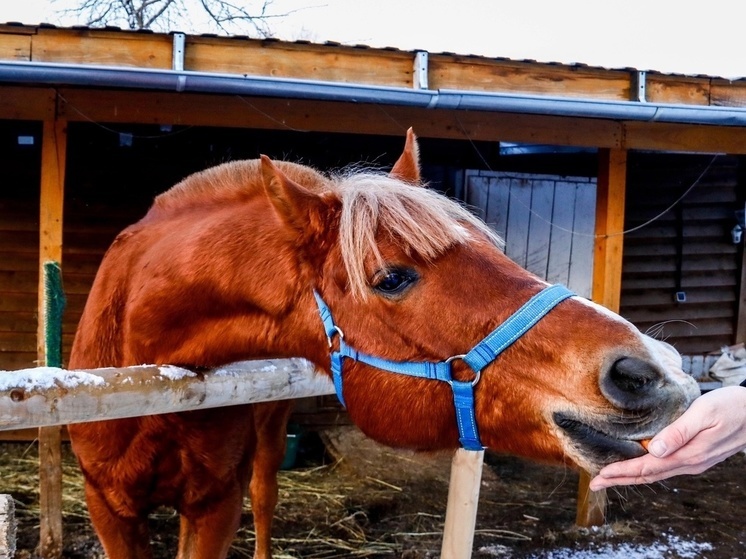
(423, 222)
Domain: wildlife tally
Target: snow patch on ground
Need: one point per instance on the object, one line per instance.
(670, 546)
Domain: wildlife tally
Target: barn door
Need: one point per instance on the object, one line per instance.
(547, 222)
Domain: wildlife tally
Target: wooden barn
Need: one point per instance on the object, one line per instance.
(624, 184)
(552, 155)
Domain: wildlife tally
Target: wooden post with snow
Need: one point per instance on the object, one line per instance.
(7, 527)
(54, 150)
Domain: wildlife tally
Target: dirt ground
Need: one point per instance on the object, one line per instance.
(352, 498)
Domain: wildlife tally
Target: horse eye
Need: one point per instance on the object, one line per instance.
(393, 281)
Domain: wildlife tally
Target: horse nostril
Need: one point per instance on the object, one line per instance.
(629, 381)
(632, 375)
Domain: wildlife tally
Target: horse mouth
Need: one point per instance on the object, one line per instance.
(598, 446)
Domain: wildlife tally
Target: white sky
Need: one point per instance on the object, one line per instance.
(674, 36)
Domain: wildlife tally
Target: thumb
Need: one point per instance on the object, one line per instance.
(675, 435)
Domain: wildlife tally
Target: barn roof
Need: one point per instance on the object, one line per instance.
(111, 59)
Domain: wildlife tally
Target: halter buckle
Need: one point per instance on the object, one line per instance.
(461, 356)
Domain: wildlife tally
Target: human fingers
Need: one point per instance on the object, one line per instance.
(674, 436)
(644, 469)
(723, 411)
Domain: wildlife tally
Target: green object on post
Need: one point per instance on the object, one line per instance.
(54, 306)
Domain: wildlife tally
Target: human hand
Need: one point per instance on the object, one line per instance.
(711, 430)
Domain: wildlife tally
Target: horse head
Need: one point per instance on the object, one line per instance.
(396, 274)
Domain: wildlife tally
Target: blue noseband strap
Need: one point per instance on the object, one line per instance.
(477, 358)
(520, 322)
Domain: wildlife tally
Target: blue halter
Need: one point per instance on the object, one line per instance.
(477, 358)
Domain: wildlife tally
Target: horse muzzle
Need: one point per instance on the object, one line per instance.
(646, 395)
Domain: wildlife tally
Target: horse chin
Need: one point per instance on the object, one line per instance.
(594, 446)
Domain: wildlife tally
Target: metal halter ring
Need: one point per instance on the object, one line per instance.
(461, 356)
(339, 333)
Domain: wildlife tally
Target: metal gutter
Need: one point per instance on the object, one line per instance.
(445, 99)
(591, 108)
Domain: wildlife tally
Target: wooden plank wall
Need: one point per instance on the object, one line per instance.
(19, 244)
(85, 244)
(98, 205)
(709, 262)
(19, 280)
(547, 222)
(700, 229)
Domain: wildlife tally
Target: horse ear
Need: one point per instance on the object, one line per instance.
(407, 167)
(295, 204)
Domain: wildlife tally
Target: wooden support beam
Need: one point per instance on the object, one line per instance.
(27, 103)
(670, 136)
(610, 198)
(591, 504)
(180, 109)
(607, 284)
(53, 154)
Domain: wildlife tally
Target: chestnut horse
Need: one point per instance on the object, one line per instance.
(256, 259)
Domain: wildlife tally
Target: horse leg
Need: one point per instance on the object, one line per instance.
(209, 533)
(270, 420)
(122, 537)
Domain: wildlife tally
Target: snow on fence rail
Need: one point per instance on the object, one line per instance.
(46, 396)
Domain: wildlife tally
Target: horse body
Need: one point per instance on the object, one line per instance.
(224, 267)
(142, 309)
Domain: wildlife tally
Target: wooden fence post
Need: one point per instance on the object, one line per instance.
(463, 501)
(7, 527)
(607, 284)
(53, 154)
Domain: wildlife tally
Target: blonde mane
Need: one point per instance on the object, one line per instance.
(424, 221)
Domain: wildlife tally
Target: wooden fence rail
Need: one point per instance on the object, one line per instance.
(46, 396)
